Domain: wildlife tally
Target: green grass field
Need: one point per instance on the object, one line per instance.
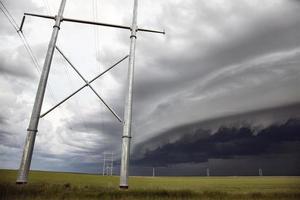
(50, 185)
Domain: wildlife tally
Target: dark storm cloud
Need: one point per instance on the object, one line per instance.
(258, 119)
(226, 136)
(227, 143)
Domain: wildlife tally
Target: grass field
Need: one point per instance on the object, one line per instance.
(49, 185)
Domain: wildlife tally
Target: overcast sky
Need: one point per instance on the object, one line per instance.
(218, 58)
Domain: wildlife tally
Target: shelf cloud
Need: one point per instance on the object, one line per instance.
(220, 61)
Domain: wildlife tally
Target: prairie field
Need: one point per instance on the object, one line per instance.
(55, 185)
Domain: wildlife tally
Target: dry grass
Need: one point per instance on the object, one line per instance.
(47, 185)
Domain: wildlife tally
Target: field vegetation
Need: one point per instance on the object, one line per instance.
(53, 185)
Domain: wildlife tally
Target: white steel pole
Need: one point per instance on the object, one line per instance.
(36, 111)
(153, 172)
(103, 169)
(128, 105)
(112, 163)
(207, 172)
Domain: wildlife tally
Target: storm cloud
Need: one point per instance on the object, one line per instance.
(218, 60)
(227, 143)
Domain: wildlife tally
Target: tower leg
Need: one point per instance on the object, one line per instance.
(128, 105)
(36, 111)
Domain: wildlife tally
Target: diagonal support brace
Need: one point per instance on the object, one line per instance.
(85, 85)
(88, 84)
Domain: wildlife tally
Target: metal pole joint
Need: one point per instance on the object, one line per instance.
(58, 20)
(32, 130)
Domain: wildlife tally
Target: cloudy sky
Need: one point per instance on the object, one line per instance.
(219, 58)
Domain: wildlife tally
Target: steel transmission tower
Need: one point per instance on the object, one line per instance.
(260, 172)
(108, 163)
(207, 172)
(36, 111)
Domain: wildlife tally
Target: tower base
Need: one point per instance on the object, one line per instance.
(124, 187)
(21, 182)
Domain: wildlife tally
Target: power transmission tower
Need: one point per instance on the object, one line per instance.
(207, 172)
(36, 111)
(153, 171)
(260, 172)
(108, 163)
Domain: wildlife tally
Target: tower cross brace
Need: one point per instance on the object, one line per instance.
(36, 111)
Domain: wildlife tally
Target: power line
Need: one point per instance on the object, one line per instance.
(21, 35)
(97, 43)
(96, 32)
(25, 43)
(10, 18)
(47, 7)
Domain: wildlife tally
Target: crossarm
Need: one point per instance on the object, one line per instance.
(94, 23)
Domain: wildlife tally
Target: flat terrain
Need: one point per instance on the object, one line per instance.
(50, 185)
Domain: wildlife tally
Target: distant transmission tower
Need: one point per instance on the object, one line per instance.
(207, 172)
(260, 172)
(108, 163)
(153, 171)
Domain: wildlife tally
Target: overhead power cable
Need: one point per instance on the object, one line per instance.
(25, 43)
(47, 8)
(21, 35)
(96, 32)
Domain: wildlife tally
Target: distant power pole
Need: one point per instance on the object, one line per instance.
(153, 171)
(260, 172)
(207, 172)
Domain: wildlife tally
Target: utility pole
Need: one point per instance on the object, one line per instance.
(35, 116)
(207, 172)
(128, 104)
(104, 165)
(112, 163)
(260, 172)
(153, 171)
